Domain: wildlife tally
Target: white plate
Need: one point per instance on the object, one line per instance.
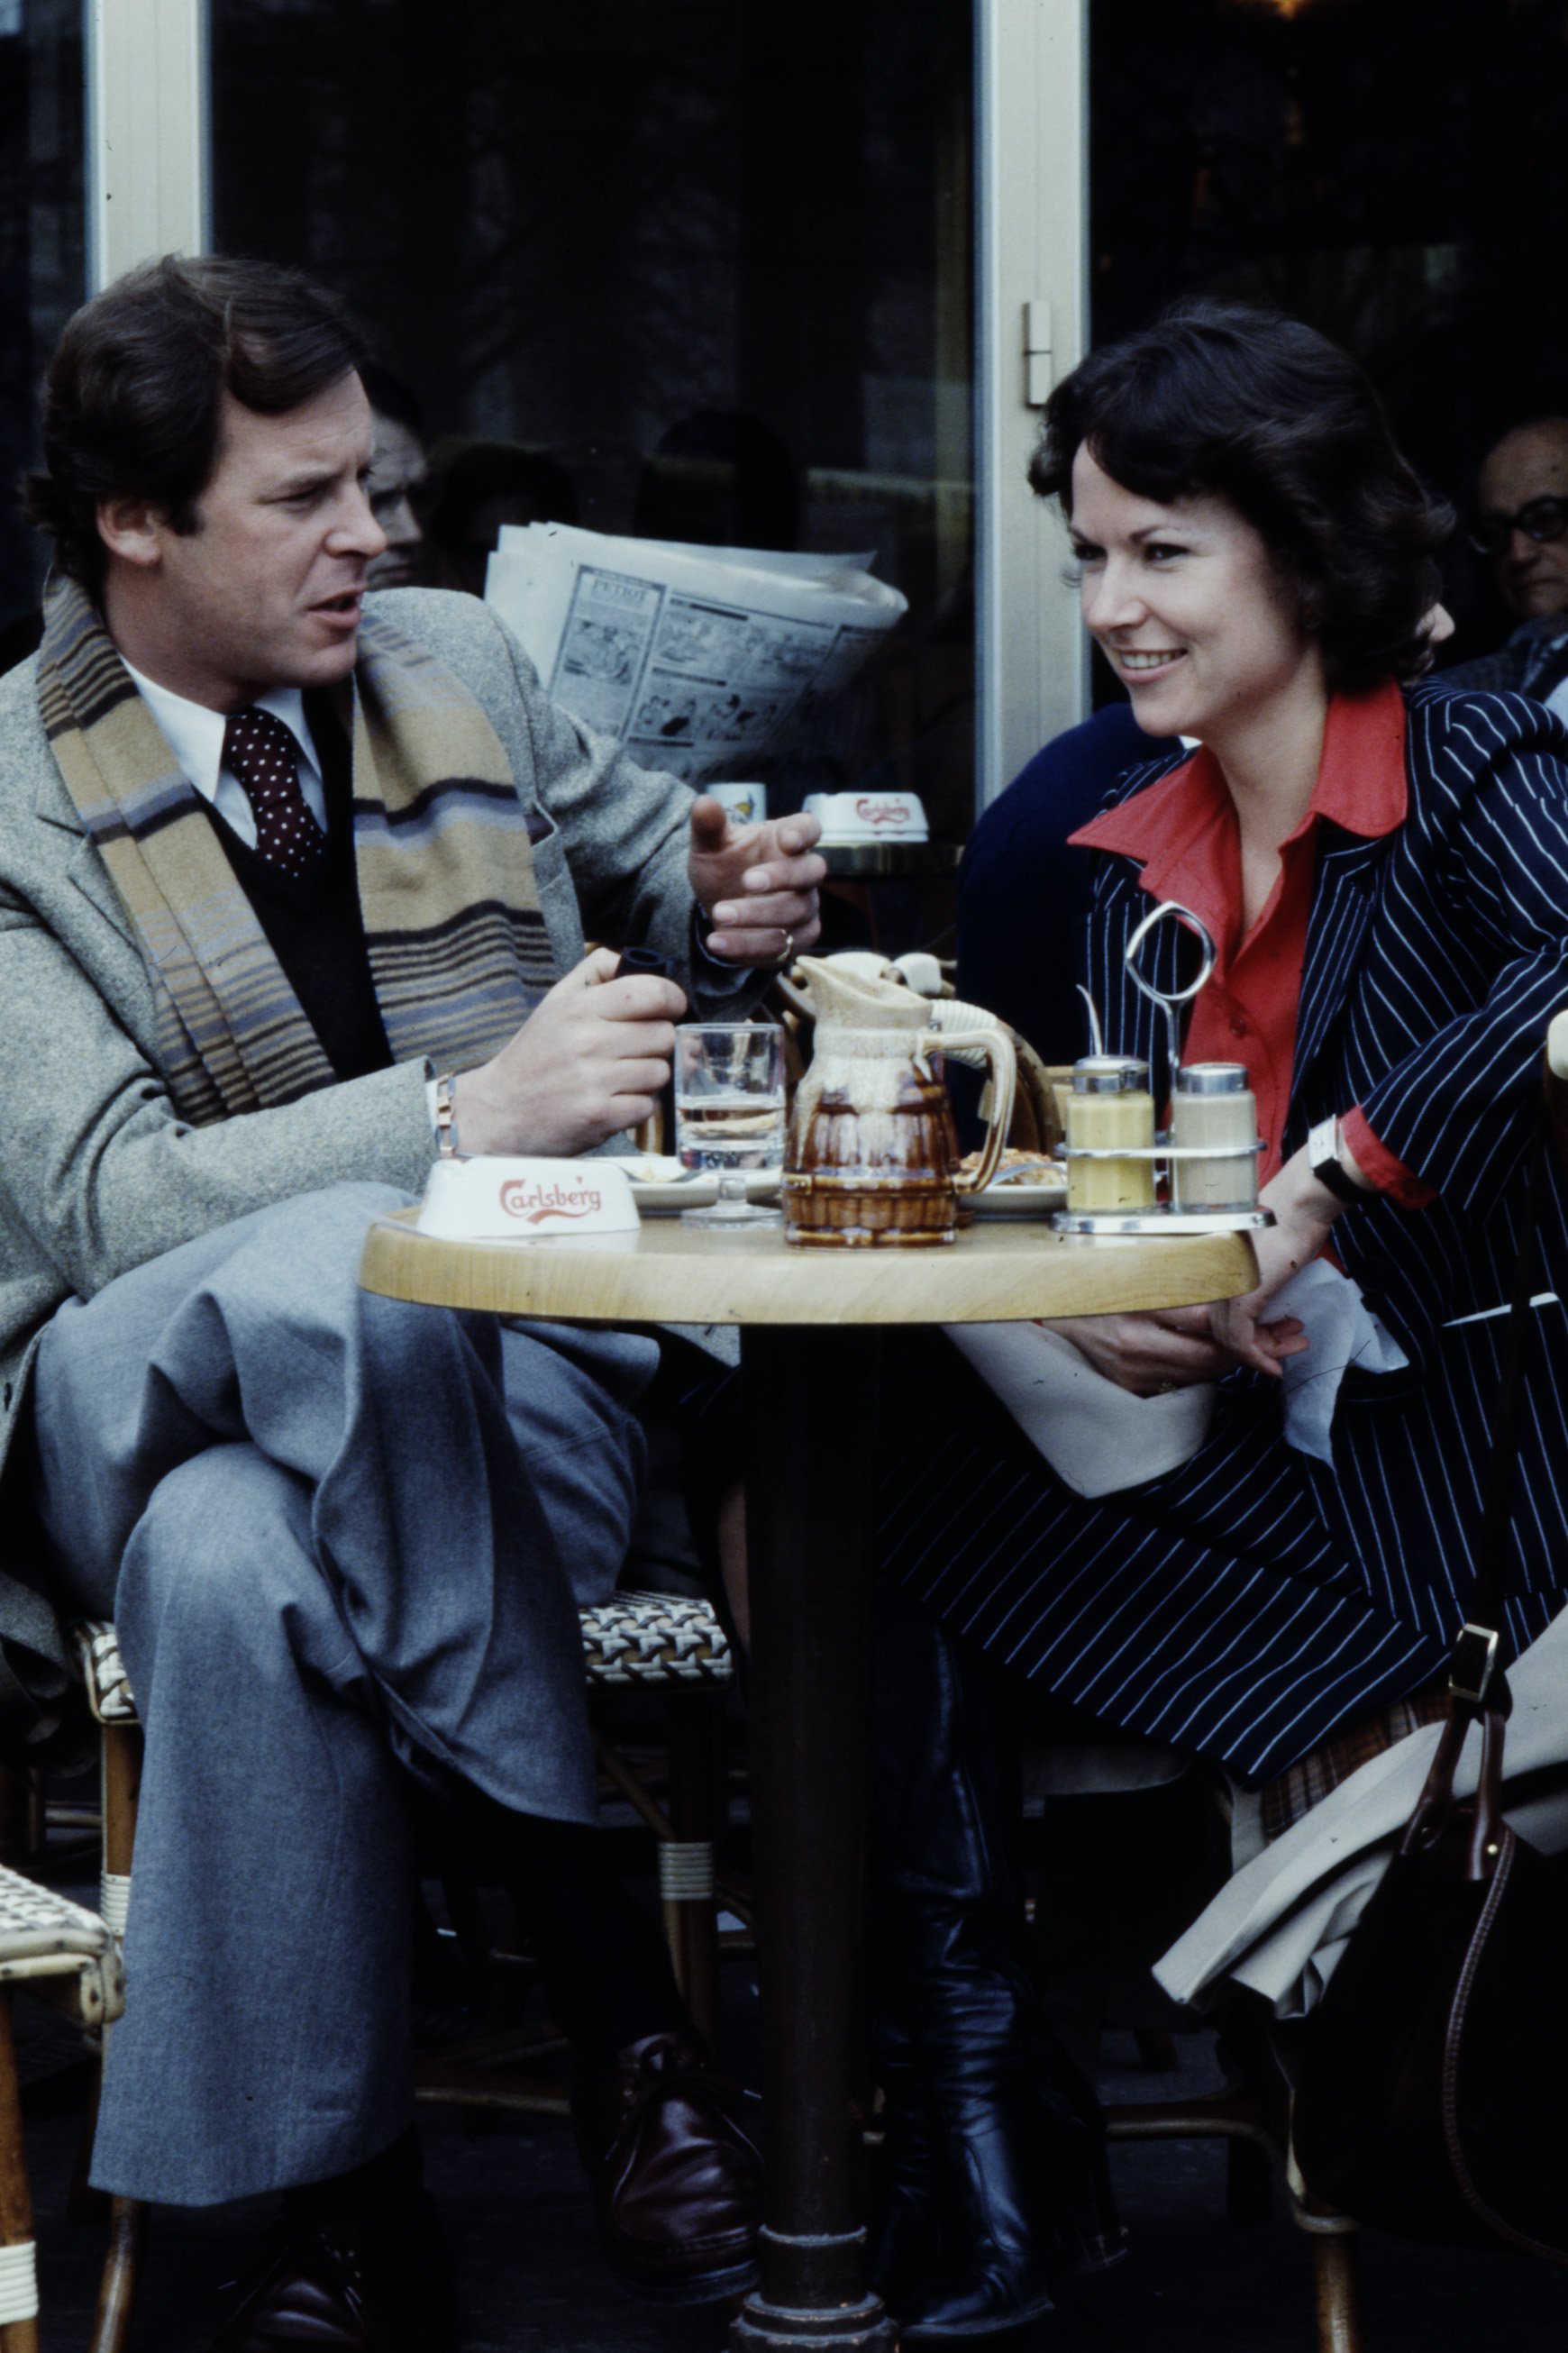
(1032, 1197)
(659, 1182)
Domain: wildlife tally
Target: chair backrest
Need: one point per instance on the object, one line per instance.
(1038, 1120)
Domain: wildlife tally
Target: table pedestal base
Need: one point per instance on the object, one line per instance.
(763, 2330)
(811, 1412)
(840, 2316)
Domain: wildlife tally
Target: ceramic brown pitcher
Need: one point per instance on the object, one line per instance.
(873, 1158)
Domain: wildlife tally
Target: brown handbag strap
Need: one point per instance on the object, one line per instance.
(1478, 1683)
(1476, 1680)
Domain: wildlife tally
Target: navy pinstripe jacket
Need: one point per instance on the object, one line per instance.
(1435, 958)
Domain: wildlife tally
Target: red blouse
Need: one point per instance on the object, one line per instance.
(1182, 831)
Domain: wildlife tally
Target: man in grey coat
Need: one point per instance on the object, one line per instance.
(260, 841)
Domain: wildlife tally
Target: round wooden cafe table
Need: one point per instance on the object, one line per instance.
(813, 1322)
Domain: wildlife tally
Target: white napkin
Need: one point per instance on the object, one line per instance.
(1096, 1436)
(1342, 1331)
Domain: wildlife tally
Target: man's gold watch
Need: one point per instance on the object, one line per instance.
(445, 1118)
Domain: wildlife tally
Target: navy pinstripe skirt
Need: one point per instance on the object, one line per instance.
(1245, 1605)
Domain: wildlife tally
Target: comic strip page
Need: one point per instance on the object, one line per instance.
(696, 658)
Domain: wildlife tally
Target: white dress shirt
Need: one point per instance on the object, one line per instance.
(194, 734)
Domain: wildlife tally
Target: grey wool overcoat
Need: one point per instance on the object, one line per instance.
(97, 1172)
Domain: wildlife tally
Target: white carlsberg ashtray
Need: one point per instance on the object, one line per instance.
(867, 817)
(526, 1200)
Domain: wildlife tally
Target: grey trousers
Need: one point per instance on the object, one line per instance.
(339, 1536)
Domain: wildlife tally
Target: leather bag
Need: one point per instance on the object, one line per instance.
(1432, 2098)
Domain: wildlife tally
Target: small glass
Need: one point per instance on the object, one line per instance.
(729, 1114)
(731, 1213)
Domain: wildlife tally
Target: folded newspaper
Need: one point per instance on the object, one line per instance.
(697, 659)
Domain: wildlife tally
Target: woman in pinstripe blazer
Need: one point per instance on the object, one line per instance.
(1386, 872)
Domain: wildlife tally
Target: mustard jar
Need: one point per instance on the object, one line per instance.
(1111, 1110)
(1213, 1113)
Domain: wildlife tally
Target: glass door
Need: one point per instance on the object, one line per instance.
(41, 264)
(692, 272)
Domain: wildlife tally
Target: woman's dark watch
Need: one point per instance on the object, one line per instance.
(1323, 1159)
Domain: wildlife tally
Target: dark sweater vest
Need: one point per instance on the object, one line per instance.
(313, 922)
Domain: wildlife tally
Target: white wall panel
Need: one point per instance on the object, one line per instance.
(1033, 307)
(147, 132)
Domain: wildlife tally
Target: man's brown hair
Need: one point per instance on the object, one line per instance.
(133, 401)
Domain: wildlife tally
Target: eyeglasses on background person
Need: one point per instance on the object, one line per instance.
(1539, 518)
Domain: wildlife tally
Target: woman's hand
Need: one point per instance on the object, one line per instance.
(1147, 1354)
(1304, 1212)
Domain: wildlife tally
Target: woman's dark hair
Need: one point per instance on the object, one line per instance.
(1218, 397)
(133, 401)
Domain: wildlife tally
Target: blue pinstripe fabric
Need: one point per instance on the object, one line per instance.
(1254, 1600)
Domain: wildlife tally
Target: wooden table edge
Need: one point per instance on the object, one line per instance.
(996, 1272)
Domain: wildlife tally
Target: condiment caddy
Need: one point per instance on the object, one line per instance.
(1115, 1157)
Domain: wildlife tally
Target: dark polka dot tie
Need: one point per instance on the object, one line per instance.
(260, 751)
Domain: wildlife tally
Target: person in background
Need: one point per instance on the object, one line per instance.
(1520, 526)
(399, 479)
(1023, 888)
(477, 488)
(719, 478)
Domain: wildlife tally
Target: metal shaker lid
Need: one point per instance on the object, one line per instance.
(1212, 1078)
(1109, 1074)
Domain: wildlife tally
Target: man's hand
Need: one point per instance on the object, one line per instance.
(757, 888)
(590, 1060)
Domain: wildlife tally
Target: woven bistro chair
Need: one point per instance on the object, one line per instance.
(658, 1642)
(69, 1958)
(665, 1644)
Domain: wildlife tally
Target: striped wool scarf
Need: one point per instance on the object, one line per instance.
(459, 950)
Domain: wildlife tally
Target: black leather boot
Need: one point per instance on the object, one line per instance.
(1018, 2189)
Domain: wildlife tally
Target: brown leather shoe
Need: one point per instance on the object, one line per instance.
(343, 2286)
(676, 2174)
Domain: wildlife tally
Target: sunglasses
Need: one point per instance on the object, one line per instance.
(1541, 520)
